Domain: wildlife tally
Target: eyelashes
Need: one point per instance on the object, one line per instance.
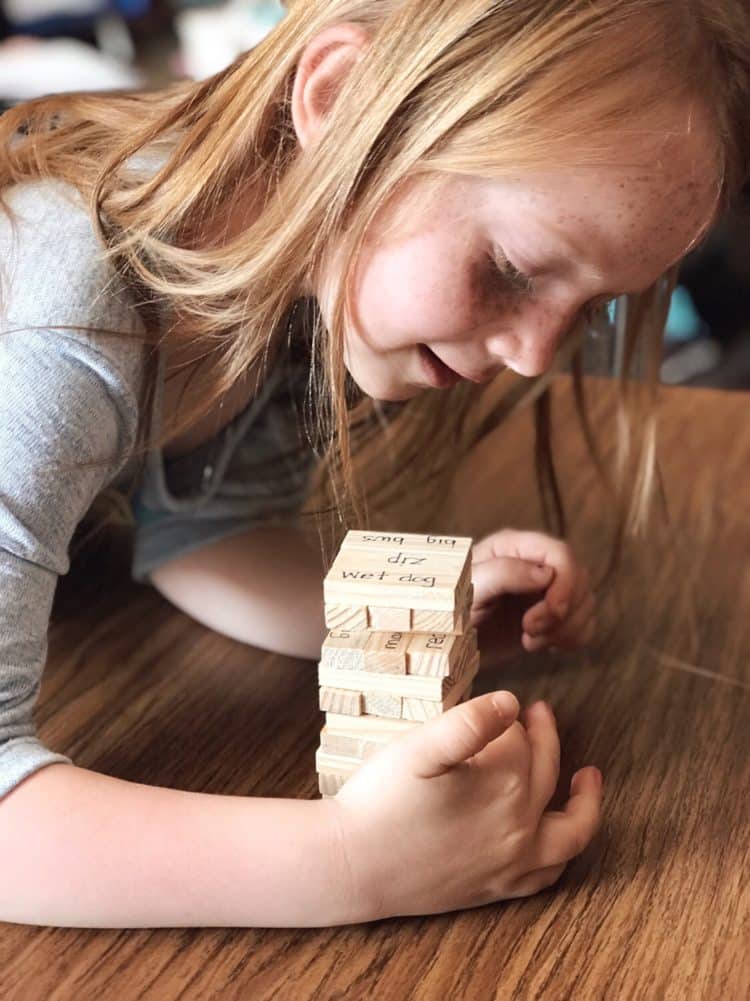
(506, 279)
(509, 275)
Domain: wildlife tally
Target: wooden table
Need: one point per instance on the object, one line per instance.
(658, 907)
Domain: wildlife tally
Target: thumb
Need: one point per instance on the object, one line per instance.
(458, 734)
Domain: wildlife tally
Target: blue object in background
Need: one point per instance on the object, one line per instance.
(683, 323)
(267, 13)
(132, 8)
(72, 21)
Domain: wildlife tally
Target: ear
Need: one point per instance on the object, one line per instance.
(321, 73)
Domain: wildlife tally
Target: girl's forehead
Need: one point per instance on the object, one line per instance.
(597, 197)
(656, 179)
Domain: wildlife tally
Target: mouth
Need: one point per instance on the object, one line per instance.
(438, 373)
(442, 376)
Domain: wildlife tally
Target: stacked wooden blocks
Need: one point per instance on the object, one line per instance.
(400, 649)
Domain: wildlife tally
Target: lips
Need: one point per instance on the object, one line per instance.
(441, 375)
(438, 373)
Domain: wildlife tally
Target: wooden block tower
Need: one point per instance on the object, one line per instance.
(400, 649)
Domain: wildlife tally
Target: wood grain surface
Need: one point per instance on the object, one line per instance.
(658, 907)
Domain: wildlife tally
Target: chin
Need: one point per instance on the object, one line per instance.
(387, 392)
(401, 395)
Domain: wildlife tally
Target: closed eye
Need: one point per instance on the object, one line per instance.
(511, 276)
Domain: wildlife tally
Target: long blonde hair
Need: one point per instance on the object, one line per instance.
(470, 86)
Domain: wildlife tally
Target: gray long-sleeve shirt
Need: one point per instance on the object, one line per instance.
(68, 396)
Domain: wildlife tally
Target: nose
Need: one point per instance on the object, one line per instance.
(529, 348)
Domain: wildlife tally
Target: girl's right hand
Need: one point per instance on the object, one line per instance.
(453, 814)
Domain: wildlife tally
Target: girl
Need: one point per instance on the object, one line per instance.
(448, 189)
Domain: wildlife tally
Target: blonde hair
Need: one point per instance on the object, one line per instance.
(451, 85)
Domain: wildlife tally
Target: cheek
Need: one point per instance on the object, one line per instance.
(492, 301)
(415, 292)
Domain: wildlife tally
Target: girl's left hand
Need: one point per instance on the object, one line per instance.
(508, 569)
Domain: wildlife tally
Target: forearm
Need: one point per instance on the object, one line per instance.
(264, 587)
(81, 849)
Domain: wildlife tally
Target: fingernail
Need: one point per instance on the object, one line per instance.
(540, 572)
(505, 703)
(540, 704)
(596, 776)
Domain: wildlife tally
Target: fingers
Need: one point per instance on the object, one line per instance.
(537, 548)
(458, 734)
(507, 575)
(539, 623)
(524, 562)
(533, 882)
(564, 834)
(577, 630)
(541, 731)
(561, 596)
(501, 543)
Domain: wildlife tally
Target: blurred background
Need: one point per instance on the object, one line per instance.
(49, 46)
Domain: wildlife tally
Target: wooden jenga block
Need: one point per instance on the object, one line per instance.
(426, 621)
(327, 763)
(455, 622)
(382, 704)
(404, 686)
(336, 700)
(348, 617)
(427, 654)
(367, 727)
(395, 562)
(352, 747)
(380, 652)
(421, 710)
(385, 653)
(329, 784)
(389, 619)
(437, 655)
(352, 619)
(385, 589)
(408, 541)
(344, 649)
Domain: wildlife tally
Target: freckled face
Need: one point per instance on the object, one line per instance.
(493, 273)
